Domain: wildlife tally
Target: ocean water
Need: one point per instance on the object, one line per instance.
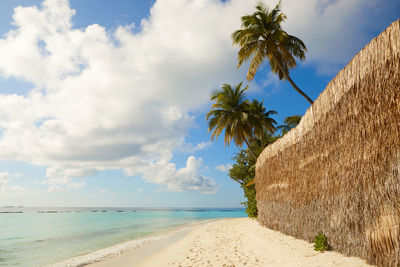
(44, 236)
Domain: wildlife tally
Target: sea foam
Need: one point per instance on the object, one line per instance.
(107, 253)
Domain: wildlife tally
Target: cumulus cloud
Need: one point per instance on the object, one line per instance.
(108, 100)
(223, 168)
(164, 172)
(125, 99)
(334, 31)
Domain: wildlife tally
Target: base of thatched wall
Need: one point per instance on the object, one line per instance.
(314, 218)
(338, 171)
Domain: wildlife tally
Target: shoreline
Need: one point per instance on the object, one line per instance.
(228, 242)
(123, 248)
(137, 256)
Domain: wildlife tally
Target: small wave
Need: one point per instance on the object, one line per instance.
(106, 253)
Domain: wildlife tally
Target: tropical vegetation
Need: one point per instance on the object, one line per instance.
(243, 172)
(241, 119)
(321, 242)
(289, 123)
(262, 37)
(248, 122)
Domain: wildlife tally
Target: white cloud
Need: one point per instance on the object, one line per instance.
(17, 175)
(61, 184)
(334, 31)
(223, 168)
(123, 100)
(76, 186)
(54, 181)
(102, 100)
(269, 80)
(4, 177)
(106, 191)
(8, 190)
(163, 172)
(55, 188)
(202, 146)
(190, 148)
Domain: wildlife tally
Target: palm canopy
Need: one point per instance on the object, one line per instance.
(289, 123)
(241, 119)
(229, 113)
(261, 37)
(260, 120)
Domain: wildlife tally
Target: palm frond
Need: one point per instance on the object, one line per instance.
(262, 37)
(255, 63)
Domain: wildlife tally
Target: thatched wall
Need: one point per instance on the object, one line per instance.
(338, 170)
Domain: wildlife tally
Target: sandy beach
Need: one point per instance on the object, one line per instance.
(229, 242)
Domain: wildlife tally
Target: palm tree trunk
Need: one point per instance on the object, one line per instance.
(238, 182)
(298, 89)
(251, 151)
(291, 81)
(262, 141)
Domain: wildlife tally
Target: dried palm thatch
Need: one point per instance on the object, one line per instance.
(338, 171)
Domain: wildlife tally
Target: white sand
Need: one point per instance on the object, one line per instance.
(230, 242)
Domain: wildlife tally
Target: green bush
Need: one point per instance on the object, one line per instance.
(251, 203)
(320, 242)
(242, 172)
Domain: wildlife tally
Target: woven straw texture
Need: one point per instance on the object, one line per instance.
(338, 171)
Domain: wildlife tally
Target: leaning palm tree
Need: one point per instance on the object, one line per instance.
(261, 37)
(260, 120)
(230, 113)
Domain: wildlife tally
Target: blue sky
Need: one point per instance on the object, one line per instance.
(102, 103)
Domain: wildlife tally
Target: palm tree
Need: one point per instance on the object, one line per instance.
(289, 123)
(230, 113)
(260, 120)
(261, 37)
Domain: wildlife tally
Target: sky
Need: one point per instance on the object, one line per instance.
(103, 103)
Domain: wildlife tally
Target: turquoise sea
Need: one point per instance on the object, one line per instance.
(43, 236)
